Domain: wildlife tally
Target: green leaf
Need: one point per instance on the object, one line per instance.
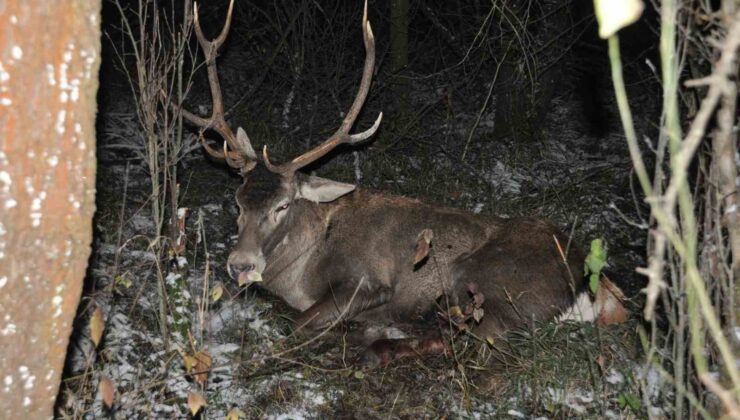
(593, 283)
(594, 263)
(628, 400)
(634, 402)
(123, 281)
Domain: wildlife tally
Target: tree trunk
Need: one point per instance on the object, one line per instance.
(49, 58)
(725, 148)
(400, 52)
(527, 83)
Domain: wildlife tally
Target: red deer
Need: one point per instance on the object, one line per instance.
(331, 250)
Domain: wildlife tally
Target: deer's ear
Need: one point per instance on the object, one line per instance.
(322, 190)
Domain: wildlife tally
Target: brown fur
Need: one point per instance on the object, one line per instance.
(363, 244)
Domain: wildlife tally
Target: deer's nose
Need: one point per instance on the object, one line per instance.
(236, 268)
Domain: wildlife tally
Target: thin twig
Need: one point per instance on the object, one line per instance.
(336, 321)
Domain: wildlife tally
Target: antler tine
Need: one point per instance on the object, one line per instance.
(342, 134)
(367, 74)
(219, 40)
(227, 27)
(239, 156)
(210, 49)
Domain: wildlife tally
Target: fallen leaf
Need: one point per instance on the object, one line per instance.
(216, 292)
(203, 367)
(601, 361)
(97, 325)
(195, 402)
(609, 303)
(473, 287)
(189, 362)
(468, 310)
(455, 312)
(478, 314)
(235, 414)
(423, 242)
(478, 299)
(489, 340)
(107, 391)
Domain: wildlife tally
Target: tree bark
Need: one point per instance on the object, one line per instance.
(49, 59)
(400, 52)
(724, 151)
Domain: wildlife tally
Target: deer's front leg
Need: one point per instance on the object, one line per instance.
(343, 302)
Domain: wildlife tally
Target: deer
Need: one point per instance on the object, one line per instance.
(336, 252)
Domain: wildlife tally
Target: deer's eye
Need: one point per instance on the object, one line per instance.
(283, 207)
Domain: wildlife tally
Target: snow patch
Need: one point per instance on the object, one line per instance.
(582, 310)
(237, 313)
(16, 52)
(614, 377)
(5, 179)
(9, 329)
(577, 400)
(294, 414)
(515, 413)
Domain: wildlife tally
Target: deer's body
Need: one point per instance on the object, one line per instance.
(363, 244)
(331, 251)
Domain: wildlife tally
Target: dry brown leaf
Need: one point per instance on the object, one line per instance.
(235, 414)
(423, 242)
(97, 325)
(203, 367)
(609, 299)
(107, 391)
(601, 361)
(473, 287)
(195, 402)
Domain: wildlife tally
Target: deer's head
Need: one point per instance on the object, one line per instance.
(269, 195)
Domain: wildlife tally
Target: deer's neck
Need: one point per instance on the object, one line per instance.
(293, 254)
